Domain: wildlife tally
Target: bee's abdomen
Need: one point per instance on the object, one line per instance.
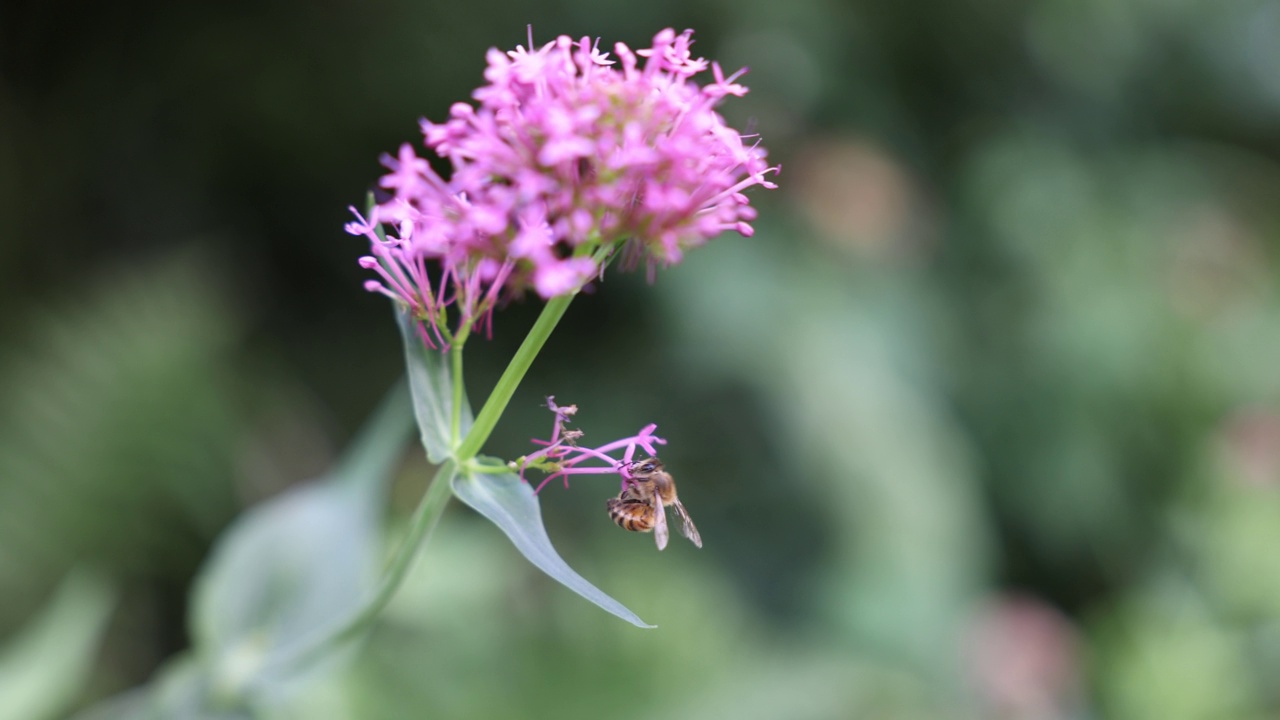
(632, 515)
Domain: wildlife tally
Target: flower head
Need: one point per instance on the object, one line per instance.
(561, 456)
(570, 155)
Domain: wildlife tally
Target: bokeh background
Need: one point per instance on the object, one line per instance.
(983, 422)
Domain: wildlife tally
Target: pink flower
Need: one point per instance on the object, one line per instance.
(561, 456)
(568, 156)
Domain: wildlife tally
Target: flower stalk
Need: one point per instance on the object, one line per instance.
(511, 377)
(424, 519)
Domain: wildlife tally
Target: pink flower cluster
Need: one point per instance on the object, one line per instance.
(569, 157)
(561, 456)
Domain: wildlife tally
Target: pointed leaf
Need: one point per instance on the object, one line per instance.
(286, 571)
(431, 384)
(292, 568)
(509, 503)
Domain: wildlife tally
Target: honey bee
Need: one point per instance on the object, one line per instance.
(641, 506)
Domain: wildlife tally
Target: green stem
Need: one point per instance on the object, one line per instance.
(459, 392)
(425, 517)
(511, 377)
(437, 496)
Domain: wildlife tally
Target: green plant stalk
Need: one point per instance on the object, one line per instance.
(511, 377)
(434, 501)
(459, 392)
(425, 517)
(519, 365)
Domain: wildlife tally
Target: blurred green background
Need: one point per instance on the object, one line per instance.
(983, 422)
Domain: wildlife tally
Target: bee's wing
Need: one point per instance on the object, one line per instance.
(660, 534)
(686, 525)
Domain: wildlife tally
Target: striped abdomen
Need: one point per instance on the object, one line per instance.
(631, 513)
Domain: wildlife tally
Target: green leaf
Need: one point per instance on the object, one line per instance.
(431, 385)
(510, 503)
(285, 572)
(290, 570)
(45, 666)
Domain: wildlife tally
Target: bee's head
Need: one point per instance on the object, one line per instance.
(644, 467)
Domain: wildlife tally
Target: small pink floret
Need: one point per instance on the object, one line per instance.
(566, 457)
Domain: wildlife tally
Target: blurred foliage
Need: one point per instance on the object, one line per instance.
(113, 409)
(984, 421)
(43, 668)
